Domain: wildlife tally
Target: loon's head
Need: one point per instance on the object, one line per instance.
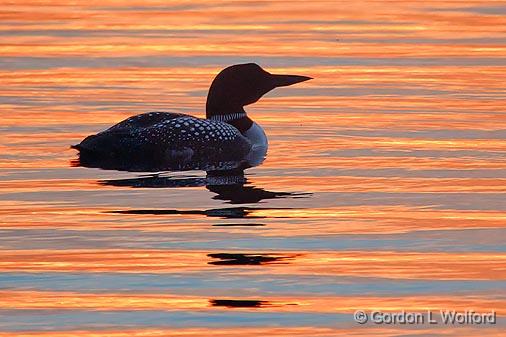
(243, 84)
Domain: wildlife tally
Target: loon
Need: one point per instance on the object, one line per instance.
(226, 133)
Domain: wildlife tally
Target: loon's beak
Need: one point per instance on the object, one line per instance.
(284, 80)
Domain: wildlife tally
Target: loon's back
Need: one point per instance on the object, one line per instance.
(163, 136)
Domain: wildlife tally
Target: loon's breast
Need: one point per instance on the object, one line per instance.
(165, 136)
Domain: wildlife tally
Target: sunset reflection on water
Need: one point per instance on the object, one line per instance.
(383, 189)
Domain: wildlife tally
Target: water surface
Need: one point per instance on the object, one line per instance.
(383, 189)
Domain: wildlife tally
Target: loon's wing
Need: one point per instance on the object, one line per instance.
(180, 137)
(123, 138)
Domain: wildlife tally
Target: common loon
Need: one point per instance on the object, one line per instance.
(226, 133)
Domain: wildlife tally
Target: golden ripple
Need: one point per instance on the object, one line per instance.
(384, 264)
(66, 300)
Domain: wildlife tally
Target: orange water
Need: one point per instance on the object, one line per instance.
(395, 155)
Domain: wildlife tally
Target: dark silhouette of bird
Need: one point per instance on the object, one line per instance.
(159, 139)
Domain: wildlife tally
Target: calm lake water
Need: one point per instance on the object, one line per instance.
(383, 189)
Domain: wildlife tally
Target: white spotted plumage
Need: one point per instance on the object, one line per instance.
(191, 130)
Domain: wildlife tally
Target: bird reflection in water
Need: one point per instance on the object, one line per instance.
(226, 179)
(239, 303)
(238, 259)
(231, 186)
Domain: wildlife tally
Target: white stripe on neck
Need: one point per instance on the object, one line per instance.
(228, 117)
